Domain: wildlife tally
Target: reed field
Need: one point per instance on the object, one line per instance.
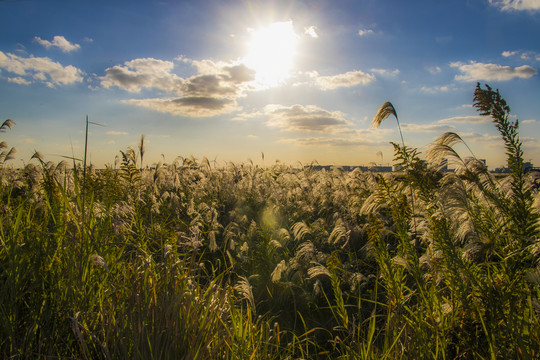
(189, 260)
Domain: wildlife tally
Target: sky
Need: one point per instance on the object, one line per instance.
(291, 81)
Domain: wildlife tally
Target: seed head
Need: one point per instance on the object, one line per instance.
(385, 111)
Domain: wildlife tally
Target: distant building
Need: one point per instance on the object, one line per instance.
(349, 168)
(527, 167)
(500, 171)
(443, 167)
(380, 168)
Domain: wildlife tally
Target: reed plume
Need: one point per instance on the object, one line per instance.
(142, 149)
(243, 287)
(383, 113)
(6, 154)
(7, 124)
(441, 148)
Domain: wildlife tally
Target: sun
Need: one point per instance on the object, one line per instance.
(271, 53)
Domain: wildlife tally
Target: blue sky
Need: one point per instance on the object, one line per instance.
(298, 81)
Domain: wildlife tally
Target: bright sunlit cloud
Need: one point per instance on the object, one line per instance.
(311, 31)
(39, 69)
(271, 53)
(474, 71)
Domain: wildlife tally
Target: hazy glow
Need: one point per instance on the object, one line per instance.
(271, 53)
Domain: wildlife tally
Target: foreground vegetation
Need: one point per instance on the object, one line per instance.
(191, 261)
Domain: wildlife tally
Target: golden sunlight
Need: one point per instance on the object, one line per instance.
(271, 53)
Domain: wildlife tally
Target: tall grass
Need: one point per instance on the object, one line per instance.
(194, 261)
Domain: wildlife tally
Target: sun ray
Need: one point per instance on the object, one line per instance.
(271, 53)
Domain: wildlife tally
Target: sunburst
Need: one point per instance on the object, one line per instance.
(271, 53)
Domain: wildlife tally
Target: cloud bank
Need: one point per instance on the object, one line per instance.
(473, 119)
(331, 142)
(39, 69)
(348, 79)
(475, 71)
(195, 107)
(304, 118)
(138, 74)
(212, 91)
(427, 128)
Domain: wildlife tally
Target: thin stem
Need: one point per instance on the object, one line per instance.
(83, 222)
(400, 132)
(84, 166)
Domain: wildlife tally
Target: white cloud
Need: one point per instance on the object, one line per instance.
(331, 142)
(348, 79)
(138, 74)
(437, 89)
(434, 70)
(236, 73)
(386, 72)
(188, 106)
(529, 121)
(116, 133)
(508, 5)
(474, 71)
(528, 55)
(28, 141)
(509, 53)
(472, 119)
(427, 128)
(213, 91)
(311, 31)
(41, 69)
(363, 32)
(524, 55)
(310, 74)
(251, 136)
(59, 42)
(246, 116)
(477, 137)
(368, 132)
(142, 73)
(19, 80)
(304, 118)
(218, 81)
